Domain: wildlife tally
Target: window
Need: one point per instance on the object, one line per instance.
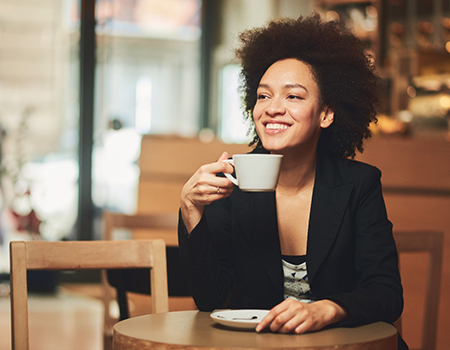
(147, 81)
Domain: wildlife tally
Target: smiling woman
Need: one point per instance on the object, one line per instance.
(343, 72)
(318, 251)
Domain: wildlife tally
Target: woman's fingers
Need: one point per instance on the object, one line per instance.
(269, 319)
(223, 156)
(291, 316)
(205, 186)
(287, 317)
(284, 322)
(219, 166)
(207, 182)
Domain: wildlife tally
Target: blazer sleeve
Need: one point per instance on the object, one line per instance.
(206, 261)
(378, 295)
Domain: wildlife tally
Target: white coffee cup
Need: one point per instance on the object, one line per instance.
(255, 172)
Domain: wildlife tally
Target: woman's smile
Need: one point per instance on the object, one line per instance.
(274, 127)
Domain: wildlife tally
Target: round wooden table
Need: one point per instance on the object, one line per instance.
(193, 330)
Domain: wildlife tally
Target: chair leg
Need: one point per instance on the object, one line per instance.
(107, 342)
(109, 321)
(123, 304)
(398, 325)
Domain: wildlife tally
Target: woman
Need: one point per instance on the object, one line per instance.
(319, 250)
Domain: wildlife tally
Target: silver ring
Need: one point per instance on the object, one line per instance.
(218, 190)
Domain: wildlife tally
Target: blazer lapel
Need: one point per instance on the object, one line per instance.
(256, 216)
(330, 198)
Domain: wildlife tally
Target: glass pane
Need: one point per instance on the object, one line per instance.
(148, 77)
(233, 127)
(38, 119)
(167, 19)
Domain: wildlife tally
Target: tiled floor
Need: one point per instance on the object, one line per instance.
(64, 321)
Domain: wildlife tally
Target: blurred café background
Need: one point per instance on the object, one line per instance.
(111, 104)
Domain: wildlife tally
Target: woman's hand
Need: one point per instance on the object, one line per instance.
(292, 316)
(203, 188)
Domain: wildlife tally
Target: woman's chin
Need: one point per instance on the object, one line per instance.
(276, 147)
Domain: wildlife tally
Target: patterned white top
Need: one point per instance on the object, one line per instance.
(296, 285)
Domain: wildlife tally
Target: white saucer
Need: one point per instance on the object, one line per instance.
(245, 319)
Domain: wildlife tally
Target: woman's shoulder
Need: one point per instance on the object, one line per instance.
(349, 170)
(358, 166)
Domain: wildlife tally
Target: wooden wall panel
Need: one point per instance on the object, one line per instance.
(416, 185)
(416, 162)
(167, 162)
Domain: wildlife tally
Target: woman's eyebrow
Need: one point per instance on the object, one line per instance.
(287, 86)
(291, 86)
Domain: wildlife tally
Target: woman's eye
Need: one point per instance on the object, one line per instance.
(262, 97)
(294, 97)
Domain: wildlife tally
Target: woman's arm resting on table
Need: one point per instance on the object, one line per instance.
(203, 188)
(292, 316)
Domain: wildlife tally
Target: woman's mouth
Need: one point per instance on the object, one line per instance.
(276, 126)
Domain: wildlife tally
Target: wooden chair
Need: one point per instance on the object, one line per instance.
(81, 255)
(432, 243)
(155, 225)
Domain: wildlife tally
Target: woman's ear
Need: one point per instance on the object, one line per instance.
(326, 117)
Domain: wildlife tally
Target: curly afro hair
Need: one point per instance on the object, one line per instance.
(343, 72)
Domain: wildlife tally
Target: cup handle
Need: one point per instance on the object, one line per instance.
(229, 176)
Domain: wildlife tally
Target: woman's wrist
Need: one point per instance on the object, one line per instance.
(191, 215)
(336, 312)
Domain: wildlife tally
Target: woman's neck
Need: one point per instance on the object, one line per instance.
(297, 172)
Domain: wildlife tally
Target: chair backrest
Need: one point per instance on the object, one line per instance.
(81, 255)
(118, 283)
(432, 243)
(152, 221)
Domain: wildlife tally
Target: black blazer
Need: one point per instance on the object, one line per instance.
(232, 258)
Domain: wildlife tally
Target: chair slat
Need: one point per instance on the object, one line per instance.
(88, 255)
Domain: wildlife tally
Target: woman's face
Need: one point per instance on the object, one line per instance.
(288, 114)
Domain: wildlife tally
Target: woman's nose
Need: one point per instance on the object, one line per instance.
(276, 107)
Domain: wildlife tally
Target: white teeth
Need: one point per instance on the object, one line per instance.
(276, 126)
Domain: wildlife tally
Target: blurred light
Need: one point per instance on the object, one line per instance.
(447, 46)
(369, 25)
(143, 105)
(233, 126)
(446, 23)
(411, 91)
(397, 28)
(332, 16)
(425, 27)
(372, 11)
(103, 11)
(432, 84)
(356, 15)
(21, 187)
(444, 101)
(206, 135)
(405, 116)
